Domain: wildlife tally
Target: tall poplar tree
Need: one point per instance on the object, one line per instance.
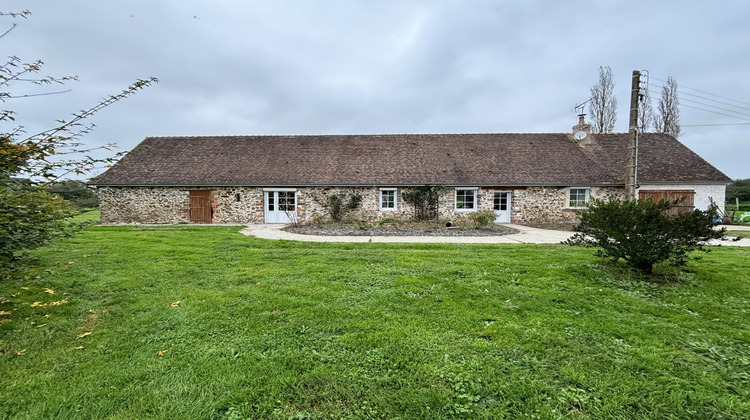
(668, 120)
(603, 102)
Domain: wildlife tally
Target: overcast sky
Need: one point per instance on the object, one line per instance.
(230, 67)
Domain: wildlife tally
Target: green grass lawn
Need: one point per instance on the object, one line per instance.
(735, 214)
(740, 233)
(201, 322)
(87, 215)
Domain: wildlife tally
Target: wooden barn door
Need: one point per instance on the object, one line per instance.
(687, 205)
(200, 206)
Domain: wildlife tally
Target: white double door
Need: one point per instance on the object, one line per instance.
(501, 205)
(280, 206)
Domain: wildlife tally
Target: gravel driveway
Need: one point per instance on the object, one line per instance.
(525, 235)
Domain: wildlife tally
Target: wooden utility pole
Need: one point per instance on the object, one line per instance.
(631, 168)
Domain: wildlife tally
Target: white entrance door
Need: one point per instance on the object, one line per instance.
(281, 206)
(502, 206)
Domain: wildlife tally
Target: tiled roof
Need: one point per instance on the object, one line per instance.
(402, 160)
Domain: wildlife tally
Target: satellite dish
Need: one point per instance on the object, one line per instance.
(580, 135)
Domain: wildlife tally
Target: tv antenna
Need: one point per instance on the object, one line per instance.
(581, 108)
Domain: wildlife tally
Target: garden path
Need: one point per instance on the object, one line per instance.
(526, 235)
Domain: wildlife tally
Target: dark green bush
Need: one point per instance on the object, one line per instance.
(642, 234)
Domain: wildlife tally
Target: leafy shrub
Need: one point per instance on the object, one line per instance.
(386, 221)
(339, 204)
(29, 219)
(318, 219)
(425, 200)
(641, 234)
(482, 218)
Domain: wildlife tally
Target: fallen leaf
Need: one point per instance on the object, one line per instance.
(86, 255)
(49, 291)
(24, 288)
(92, 311)
(37, 305)
(87, 333)
(21, 352)
(59, 302)
(41, 325)
(15, 294)
(161, 353)
(80, 348)
(71, 262)
(4, 320)
(46, 315)
(6, 312)
(104, 311)
(175, 304)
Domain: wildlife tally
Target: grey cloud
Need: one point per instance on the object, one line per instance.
(289, 67)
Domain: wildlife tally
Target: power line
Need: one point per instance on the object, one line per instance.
(709, 99)
(743, 116)
(713, 100)
(712, 125)
(714, 112)
(707, 93)
(716, 107)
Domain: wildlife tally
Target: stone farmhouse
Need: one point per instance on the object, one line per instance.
(524, 178)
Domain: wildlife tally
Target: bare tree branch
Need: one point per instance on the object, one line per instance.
(66, 125)
(668, 120)
(35, 94)
(12, 27)
(603, 102)
(23, 13)
(646, 118)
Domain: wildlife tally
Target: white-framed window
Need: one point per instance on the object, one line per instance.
(388, 199)
(578, 198)
(466, 199)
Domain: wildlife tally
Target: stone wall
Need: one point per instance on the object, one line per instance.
(534, 205)
(310, 201)
(549, 205)
(170, 205)
(143, 204)
(238, 205)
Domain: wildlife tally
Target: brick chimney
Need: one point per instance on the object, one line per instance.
(582, 126)
(581, 130)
